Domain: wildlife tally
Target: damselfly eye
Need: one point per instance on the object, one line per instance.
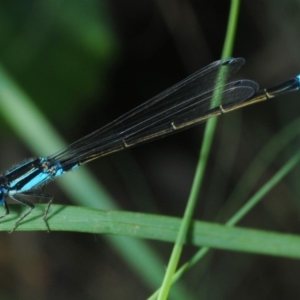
(2, 196)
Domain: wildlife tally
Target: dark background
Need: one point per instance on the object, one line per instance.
(86, 63)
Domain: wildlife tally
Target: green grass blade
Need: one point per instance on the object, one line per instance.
(276, 143)
(207, 141)
(262, 162)
(33, 128)
(155, 227)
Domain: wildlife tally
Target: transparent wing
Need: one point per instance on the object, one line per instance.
(184, 102)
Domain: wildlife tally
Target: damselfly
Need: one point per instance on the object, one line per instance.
(202, 95)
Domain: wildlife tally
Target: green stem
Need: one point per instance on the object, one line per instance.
(203, 158)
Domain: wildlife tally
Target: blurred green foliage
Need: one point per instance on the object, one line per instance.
(58, 51)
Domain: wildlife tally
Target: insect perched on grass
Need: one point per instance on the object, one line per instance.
(202, 95)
